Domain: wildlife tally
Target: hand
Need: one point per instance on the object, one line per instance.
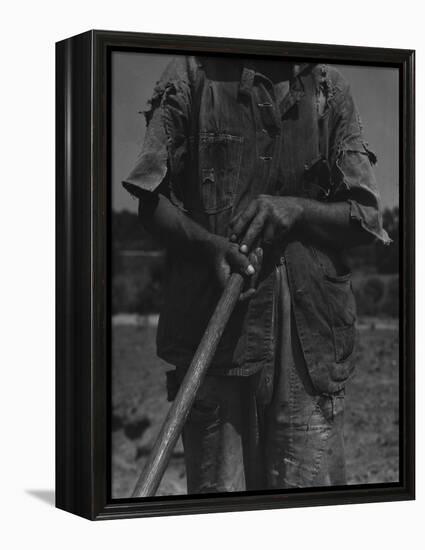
(227, 258)
(267, 219)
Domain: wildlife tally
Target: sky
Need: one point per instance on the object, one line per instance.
(134, 75)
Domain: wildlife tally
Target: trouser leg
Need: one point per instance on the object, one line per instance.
(213, 438)
(234, 443)
(304, 430)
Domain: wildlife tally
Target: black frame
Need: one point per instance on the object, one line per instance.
(82, 325)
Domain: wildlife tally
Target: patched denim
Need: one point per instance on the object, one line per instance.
(219, 134)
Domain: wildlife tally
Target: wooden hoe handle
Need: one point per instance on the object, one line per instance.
(150, 478)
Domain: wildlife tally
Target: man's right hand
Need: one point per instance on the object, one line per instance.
(226, 258)
(178, 232)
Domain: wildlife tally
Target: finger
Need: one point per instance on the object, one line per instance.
(235, 218)
(253, 258)
(239, 223)
(247, 294)
(244, 248)
(240, 263)
(223, 274)
(258, 253)
(233, 238)
(254, 262)
(256, 259)
(254, 231)
(268, 234)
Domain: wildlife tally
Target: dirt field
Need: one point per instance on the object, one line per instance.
(139, 406)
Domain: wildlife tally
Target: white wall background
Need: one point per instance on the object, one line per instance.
(28, 32)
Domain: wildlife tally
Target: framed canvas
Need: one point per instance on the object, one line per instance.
(235, 274)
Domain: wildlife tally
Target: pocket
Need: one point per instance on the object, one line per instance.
(332, 406)
(219, 166)
(342, 309)
(345, 338)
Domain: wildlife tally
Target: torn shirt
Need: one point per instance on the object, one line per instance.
(220, 133)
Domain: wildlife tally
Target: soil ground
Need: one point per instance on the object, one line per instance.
(140, 405)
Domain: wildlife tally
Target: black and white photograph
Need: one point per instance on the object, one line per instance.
(254, 274)
(211, 236)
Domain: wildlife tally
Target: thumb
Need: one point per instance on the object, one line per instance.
(241, 264)
(222, 273)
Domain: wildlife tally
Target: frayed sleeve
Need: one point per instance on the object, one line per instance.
(162, 159)
(352, 166)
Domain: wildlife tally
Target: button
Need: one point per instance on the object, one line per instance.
(264, 131)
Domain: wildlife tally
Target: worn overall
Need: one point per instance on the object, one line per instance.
(221, 133)
(236, 438)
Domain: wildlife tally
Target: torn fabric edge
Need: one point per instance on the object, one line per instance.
(327, 89)
(367, 215)
(151, 165)
(142, 179)
(357, 214)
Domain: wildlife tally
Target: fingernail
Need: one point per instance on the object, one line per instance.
(233, 237)
(250, 270)
(243, 248)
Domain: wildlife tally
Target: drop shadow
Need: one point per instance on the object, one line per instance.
(45, 495)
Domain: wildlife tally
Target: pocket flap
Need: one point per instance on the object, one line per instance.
(219, 165)
(344, 342)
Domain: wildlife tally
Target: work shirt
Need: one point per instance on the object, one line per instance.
(219, 134)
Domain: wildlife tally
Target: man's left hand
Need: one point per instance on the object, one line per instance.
(266, 220)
